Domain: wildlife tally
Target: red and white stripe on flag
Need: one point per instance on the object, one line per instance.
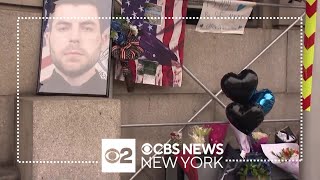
(171, 32)
(173, 36)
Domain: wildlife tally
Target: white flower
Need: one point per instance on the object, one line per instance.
(198, 140)
(134, 30)
(294, 157)
(116, 36)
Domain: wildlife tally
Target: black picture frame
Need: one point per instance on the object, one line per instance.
(96, 85)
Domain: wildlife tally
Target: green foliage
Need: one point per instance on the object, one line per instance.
(254, 169)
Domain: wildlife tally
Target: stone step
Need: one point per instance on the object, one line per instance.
(7, 130)
(9, 173)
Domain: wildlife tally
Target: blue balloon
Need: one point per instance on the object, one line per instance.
(265, 99)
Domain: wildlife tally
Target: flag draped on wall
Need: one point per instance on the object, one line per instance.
(308, 54)
(162, 39)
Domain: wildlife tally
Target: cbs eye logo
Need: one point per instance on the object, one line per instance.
(146, 149)
(118, 155)
(113, 155)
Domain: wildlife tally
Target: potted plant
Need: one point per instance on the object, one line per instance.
(254, 171)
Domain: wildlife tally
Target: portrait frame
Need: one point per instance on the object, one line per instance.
(75, 58)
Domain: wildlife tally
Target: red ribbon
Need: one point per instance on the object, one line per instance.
(131, 50)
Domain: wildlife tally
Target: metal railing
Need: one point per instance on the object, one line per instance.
(215, 96)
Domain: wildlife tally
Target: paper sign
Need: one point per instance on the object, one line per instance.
(224, 8)
(146, 71)
(152, 13)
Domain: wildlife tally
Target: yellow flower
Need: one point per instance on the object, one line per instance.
(258, 135)
(198, 140)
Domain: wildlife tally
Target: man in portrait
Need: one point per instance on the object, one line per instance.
(77, 48)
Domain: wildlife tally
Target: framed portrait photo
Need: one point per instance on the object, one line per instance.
(75, 46)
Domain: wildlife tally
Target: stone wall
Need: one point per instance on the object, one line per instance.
(208, 56)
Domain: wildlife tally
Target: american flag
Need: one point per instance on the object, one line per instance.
(171, 32)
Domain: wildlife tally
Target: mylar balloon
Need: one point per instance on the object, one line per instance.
(240, 87)
(265, 99)
(245, 117)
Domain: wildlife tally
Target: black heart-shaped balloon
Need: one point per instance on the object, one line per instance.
(245, 117)
(240, 87)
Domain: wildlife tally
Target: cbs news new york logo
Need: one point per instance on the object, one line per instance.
(118, 155)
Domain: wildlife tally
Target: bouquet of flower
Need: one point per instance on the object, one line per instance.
(218, 132)
(260, 170)
(122, 32)
(284, 155)
(176, 138)
(287, 154)
(125, 47)
(199, 133)
(258, 139)
(254, 170)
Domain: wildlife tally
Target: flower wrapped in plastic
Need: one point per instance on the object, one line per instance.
(242, 140)
(218, 132)
(258, 139)
(284, 155)
(176, 138)
(199, 134)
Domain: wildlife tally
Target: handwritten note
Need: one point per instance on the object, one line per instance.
(224, 8)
